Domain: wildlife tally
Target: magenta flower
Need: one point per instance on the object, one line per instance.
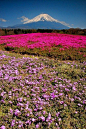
(44, 40)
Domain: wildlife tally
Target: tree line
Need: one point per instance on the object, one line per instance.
(75, 31)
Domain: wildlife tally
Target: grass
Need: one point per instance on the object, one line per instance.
(54, 52)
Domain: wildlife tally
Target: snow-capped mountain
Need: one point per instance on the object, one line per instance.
(41, 17)
(42, 21)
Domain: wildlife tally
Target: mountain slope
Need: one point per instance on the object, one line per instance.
(41, 25)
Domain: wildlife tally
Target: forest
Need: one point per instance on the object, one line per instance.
(75, 31)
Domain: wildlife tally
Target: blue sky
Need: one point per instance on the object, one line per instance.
(72, 12)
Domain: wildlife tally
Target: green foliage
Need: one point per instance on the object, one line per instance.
(70, 72)
(76, 31)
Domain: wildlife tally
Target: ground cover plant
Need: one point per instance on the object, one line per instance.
(43, 93)
(55, 45)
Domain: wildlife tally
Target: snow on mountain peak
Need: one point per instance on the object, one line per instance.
(42, 17)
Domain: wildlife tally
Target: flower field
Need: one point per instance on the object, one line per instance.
(38, 92)
(60, 46)
(42, 81)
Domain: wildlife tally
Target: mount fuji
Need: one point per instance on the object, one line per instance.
(42, 21)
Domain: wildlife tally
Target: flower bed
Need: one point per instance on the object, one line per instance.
(41, 93)
(60, 46)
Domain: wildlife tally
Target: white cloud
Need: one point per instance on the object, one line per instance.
(18, 18)
(3, 20)
(64, 23)
(25, 19)
(72, 24)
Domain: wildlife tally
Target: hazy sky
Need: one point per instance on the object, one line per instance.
(72, 12)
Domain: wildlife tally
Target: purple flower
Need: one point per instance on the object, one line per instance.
(66, 89)
(74, 88)
(79, 104)
(44, 90)
(53, 95)
(42, 118)
(49, 117)
(2, 101)
(10, 79)
(35, 109)
(11, 111)
(28, 122)
(6, 77)
(20, 124)
(13, 123)
(57, 114)
(76, 112)
(37, 125)
(60, 94)
(16, 72)
(46, 96)
(27, 114)
(44, 112)
(71, 99)
(17, 112)
(2, 94)
(34, 70)
(84, 101)
(2, 127)
(59, 119)
(1, 74)
(33, 119)
(10, 102)
(65, 105)
(19, 99)
(30, 110)
(56, 124)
